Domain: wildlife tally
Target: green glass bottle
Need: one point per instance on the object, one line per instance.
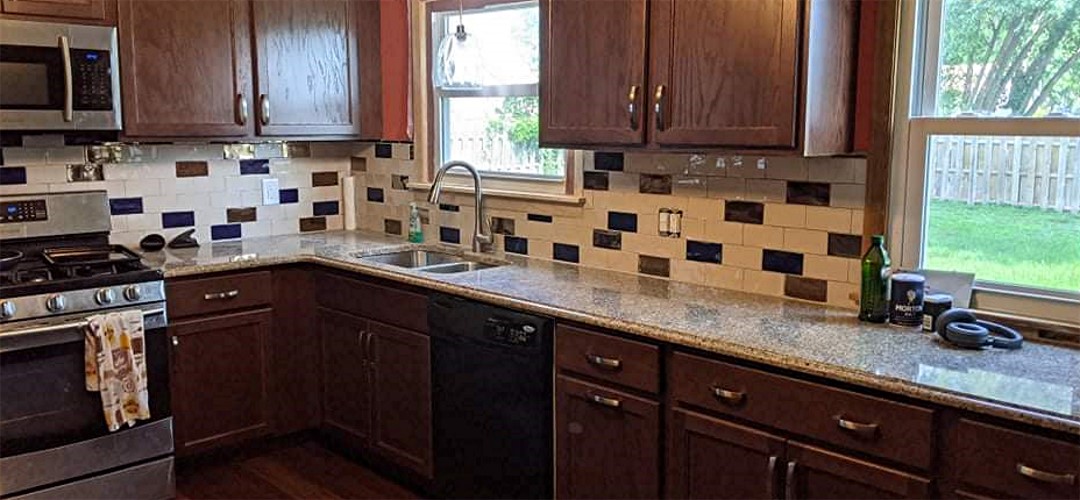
(873, 299)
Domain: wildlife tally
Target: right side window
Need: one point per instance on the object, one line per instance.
(993, 145)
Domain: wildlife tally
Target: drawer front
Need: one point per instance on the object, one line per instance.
(218, 294)
(887, 429)
(1015, 464)
(392, 306)
(622, 361)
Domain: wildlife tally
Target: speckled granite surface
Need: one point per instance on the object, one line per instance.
(1038, 384)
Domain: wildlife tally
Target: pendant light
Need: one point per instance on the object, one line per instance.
(458, 64)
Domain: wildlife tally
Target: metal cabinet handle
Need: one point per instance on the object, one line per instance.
(728, 396)
(602, 362)
(231, 294)
(241, 109)
(658, 108)
(264, 107)
(1045, 477)
(770, 477)
(175, 341)
(65, 53)
(789, 481)
(604, 401)
(867, 431)
(361, 338)
(631, 107)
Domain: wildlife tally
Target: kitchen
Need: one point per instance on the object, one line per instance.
(538, 249)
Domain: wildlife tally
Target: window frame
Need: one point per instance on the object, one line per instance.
(915, 79)
(498, 183)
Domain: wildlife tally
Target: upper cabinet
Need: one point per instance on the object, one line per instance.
(70, 11)
(763, 75)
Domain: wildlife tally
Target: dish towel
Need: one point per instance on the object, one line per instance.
(115, 347)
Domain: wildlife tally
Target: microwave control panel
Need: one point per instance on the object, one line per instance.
(91, 75)
(23, 211)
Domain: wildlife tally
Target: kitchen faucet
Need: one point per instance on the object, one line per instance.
(481, 239)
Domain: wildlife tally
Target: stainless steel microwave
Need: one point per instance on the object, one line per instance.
(58, 77)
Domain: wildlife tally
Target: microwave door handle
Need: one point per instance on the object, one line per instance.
(42, 336)
(65, 54)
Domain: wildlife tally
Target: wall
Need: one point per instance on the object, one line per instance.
(172, 188)
(790, 229)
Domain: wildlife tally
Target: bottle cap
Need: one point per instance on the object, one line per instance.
(878, 239)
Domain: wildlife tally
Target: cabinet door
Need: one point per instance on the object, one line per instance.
(88, 10)
(306, 60)
(608, 442)
(401, 386)
(186, 68)
(816, 473)
(711, 458)
(724, 72)
(219, 379)
(345, 378)
(592, 62)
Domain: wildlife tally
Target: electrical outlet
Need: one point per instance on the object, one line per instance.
(271, 191)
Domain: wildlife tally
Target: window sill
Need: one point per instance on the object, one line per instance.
(1054, 311)
(532, 196)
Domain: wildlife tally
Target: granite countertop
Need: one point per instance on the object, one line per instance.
(1038, 384)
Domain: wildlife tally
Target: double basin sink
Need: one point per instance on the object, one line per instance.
(429, 261)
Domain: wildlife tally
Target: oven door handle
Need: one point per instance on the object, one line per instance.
(42, 336)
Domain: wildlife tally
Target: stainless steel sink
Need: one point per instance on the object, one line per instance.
(429, 261)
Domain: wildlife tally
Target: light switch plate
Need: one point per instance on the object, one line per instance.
(271, 191)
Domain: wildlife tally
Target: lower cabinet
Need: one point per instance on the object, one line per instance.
(346, 379)
(219, 379)
(817, 473)
(607, 442)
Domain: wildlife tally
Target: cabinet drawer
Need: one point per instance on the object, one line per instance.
(622, 361)
(888, 429)
(217, 294)
(1016, 464)
(392, 306)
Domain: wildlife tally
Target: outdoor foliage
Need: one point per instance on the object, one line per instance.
(1010, 57)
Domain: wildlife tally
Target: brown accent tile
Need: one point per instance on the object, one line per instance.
(602, 238)
(324, 179)
(392, 226)
(596, 181)
(744, 211)
(399, 182)
(502, 225)
(654, 266)
(654, 184)
(357, 164)
(845, 245)
(245, 214)
(806, 288)
(298, 150)
(808, 193)
(308, 224)
(192, 169)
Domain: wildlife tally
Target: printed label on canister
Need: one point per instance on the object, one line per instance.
(906, 299)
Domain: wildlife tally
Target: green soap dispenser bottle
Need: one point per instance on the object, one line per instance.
(416, 232)
(873, 298)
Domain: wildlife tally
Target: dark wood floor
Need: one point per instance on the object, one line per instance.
(299, 470)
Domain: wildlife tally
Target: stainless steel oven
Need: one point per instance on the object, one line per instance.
(58, 77)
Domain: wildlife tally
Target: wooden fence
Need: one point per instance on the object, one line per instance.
(1041, 172)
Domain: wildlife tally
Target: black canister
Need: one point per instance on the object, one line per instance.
(933, 306)
(906, 299)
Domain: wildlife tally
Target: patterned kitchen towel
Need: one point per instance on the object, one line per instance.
(115, 346)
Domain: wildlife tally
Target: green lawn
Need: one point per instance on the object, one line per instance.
(1024, 246)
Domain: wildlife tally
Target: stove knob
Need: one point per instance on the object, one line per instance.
(132, 293)
(105, 296)
(7, 309)
(56, 303)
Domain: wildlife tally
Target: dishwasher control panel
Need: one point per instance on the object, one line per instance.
(510, 332)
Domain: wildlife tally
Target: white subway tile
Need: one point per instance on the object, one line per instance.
(806, 241)
(843, 295)
(763, 236)
(826, 267)
(786, 168)
(720, 231)
(770, 190)
(848, 196)
(724, 277)
(742, 256)
(764, 282)
(777, 214)
(837, 220)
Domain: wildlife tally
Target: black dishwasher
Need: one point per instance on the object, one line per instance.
(492, 380)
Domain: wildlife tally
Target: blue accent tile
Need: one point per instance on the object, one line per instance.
(224, 232)
(450, 235)
(622, 221)
(516, 244)
(125, 206)
(254, 167)
(384, 150)
(611, 162)
(177, 219)
(375, 195)
(291, 195)
(701, 251)
(782, 262)
(540, 218)
(566, 253)
(12, 175)
(324, 208)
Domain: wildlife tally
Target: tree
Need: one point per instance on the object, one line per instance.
(1017, 55)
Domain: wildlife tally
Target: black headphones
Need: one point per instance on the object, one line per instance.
(962, 328)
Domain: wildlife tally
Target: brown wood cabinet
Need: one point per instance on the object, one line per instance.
(400, 363)
(69, 11)
(219, 379)
(771, 75)
(346, 379)
(811, 472)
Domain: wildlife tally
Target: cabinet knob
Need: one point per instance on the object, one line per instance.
(1045, 477)
(175, 341)
(264, 109)
(602, 362)
(231, 294)
(605, 401)
(631, 107)
(866, 431)
(728, 396)
(241, 109)
(658, 108)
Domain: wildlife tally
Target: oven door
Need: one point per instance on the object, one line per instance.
(51, 428)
